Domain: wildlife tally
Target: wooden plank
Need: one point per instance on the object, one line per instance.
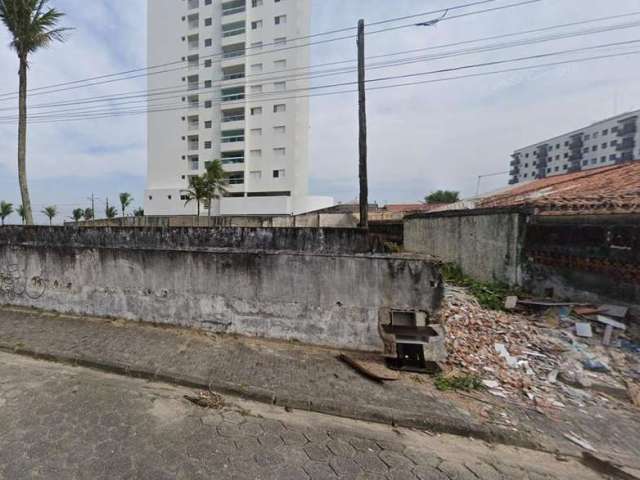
(369, 368)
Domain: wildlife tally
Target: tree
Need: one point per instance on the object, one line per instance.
(50, 213)
(442, 196)
(198, 191)
(111, 212)
(77, 214)
(6, 209)
(125, 200)
(21, 212)
(88, 214)
(32, 26)
(215, 180)
(138, 212)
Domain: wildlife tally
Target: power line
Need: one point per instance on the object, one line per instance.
(122, 101)
(399, 85)
(39, 91)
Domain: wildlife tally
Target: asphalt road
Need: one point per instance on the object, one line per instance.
(62, 422)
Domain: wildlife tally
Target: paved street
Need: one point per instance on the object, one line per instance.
(61, 422)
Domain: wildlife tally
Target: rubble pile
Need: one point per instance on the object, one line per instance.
(533, 358)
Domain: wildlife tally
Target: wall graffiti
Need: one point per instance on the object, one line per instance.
(14, 284)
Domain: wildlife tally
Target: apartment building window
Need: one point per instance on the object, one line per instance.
(604, 145)
(280, 20)
(566, 144)
(208, 22)
(256, 68)
(605, 131)
(255, 153)
(208, 2)
(256, 111)
(614, 143)
(584, 162)
(208, 42)
(208, 124)
(557, 157)
(256, 3)
(566, 155)
(208, 63)
(207, 84)
(280, 86)
(594, 148)
(594, 161)
(585, 150)
(208, 104)
(278, 173)
(612, 156)
(565, 167)
(595, 134)
(255, 175)
(279, 152)
(280, 41)
(587, 137)
(603, 159)
(280, 130)
(526, 155)
(256, 132)
(256, 25)
(207, 145)
(256, 88)
(280, 64)
(280, 108)
(557, 169)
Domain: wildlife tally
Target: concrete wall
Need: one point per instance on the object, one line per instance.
(323, 240)
(324, 299)
(485, 244)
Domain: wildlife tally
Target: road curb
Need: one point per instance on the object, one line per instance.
(387, 416)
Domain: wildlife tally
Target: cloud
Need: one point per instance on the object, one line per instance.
(421, 138)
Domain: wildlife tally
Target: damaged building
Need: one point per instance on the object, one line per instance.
(575, 236)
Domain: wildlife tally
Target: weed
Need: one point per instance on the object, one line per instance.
(489, 295)
(458, 382)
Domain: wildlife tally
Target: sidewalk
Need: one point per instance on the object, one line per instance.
(308, 378)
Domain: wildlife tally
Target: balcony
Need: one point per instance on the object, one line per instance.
(627, 129)
(233, 55)
(193, 21)
(193, 83)
(515, 162)
(193, 42)
(233, 33)
(232, 94)
(514, 171)
(193, 143)
(233, 119)
(193, 102)
(193, 63)
(233, 73)
(234, 157)
(193, 4)
(193, 123)
(193, 162)
(235, 178)
(234, 10)
(627, 144)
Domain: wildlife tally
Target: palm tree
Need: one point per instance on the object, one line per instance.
(77, 214)
(215, 179)
(21, 212)
(197, 191)
(125, 200)
(111, 212)
(138, 212)
(32, 26)
(50, 213)
(6, 209)
(88, 214)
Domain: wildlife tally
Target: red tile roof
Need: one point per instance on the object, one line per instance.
(614, 189)
(411, 207)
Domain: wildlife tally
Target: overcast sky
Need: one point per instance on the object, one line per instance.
(421, 138)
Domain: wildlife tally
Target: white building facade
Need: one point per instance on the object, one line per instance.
(225, 88)
(609, 142)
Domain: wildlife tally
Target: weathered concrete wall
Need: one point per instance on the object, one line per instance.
(324, 299)
(323, 240)
(485, 244)
(591, 259)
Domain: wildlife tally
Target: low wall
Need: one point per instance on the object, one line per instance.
(335, 300)
(484, 243)
(320, 240)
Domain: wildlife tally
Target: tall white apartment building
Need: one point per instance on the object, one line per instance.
(608, 142)
(225, 88)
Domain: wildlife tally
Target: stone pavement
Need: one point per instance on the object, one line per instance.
(308, 378)
(68, 423)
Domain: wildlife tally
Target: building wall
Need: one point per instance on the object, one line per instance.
(335, 300)
(597, 145)
(485, 244)
(194, 36)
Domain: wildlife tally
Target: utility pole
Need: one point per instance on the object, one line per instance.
(93, 204)
(362, 115)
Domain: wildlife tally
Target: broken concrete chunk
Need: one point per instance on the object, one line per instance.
(504, 353)
(583, 329)
(510, 302)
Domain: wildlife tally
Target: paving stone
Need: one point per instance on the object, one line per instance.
(341, 448)
(345, 467)
(317, 453)
(401, 474)
(229, 430)
(485, 471)
(420, 457)
(294, 438)
(427, 472)
(456, 471)
(269, 459)
(230, 416)
(395, 459)
(270, 440)
(319, 471)
(370, 462)
(364, 444)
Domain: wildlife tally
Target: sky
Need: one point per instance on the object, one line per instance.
(439, 135)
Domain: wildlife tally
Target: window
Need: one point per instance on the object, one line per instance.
(255, 153)
(280, 41)
(256, 132)
(278, 174)
(584, 162)
(614, 129)
(526, 155)
(612, 156)
(594, 161)
(208, 63)
(207, 84)
(587, 137)
(208, 124)
(595, 134)
(594, 148)
(256, 111)
(280, 130)
(255, 175)
(280, 108)
(614, 143)
(208, 2)
(566, 144)
(207, 104)
(208, 42)
(557, 146)
(566, 155)
(280, 86)
(207, 145)
(280, 20)
(256, 68)
(564, 167)
(605, 131)
(603, 159)
(256, 88)
(279, 152)
(557, 157)
(169, 197)
(280, 64)
(256, 25)
(585, 150)
(208, 22)
(604, 145)
(256, 3)
(557, 169)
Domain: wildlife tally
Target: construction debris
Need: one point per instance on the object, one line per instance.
(370, 368)
(207, 400)
(521, 355)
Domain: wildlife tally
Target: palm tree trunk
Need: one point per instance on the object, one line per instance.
(22, 142)
(209, 212)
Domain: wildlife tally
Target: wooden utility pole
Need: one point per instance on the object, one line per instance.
(362, 103)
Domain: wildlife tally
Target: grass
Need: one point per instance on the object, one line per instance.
(489, 295)
(458, 382)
